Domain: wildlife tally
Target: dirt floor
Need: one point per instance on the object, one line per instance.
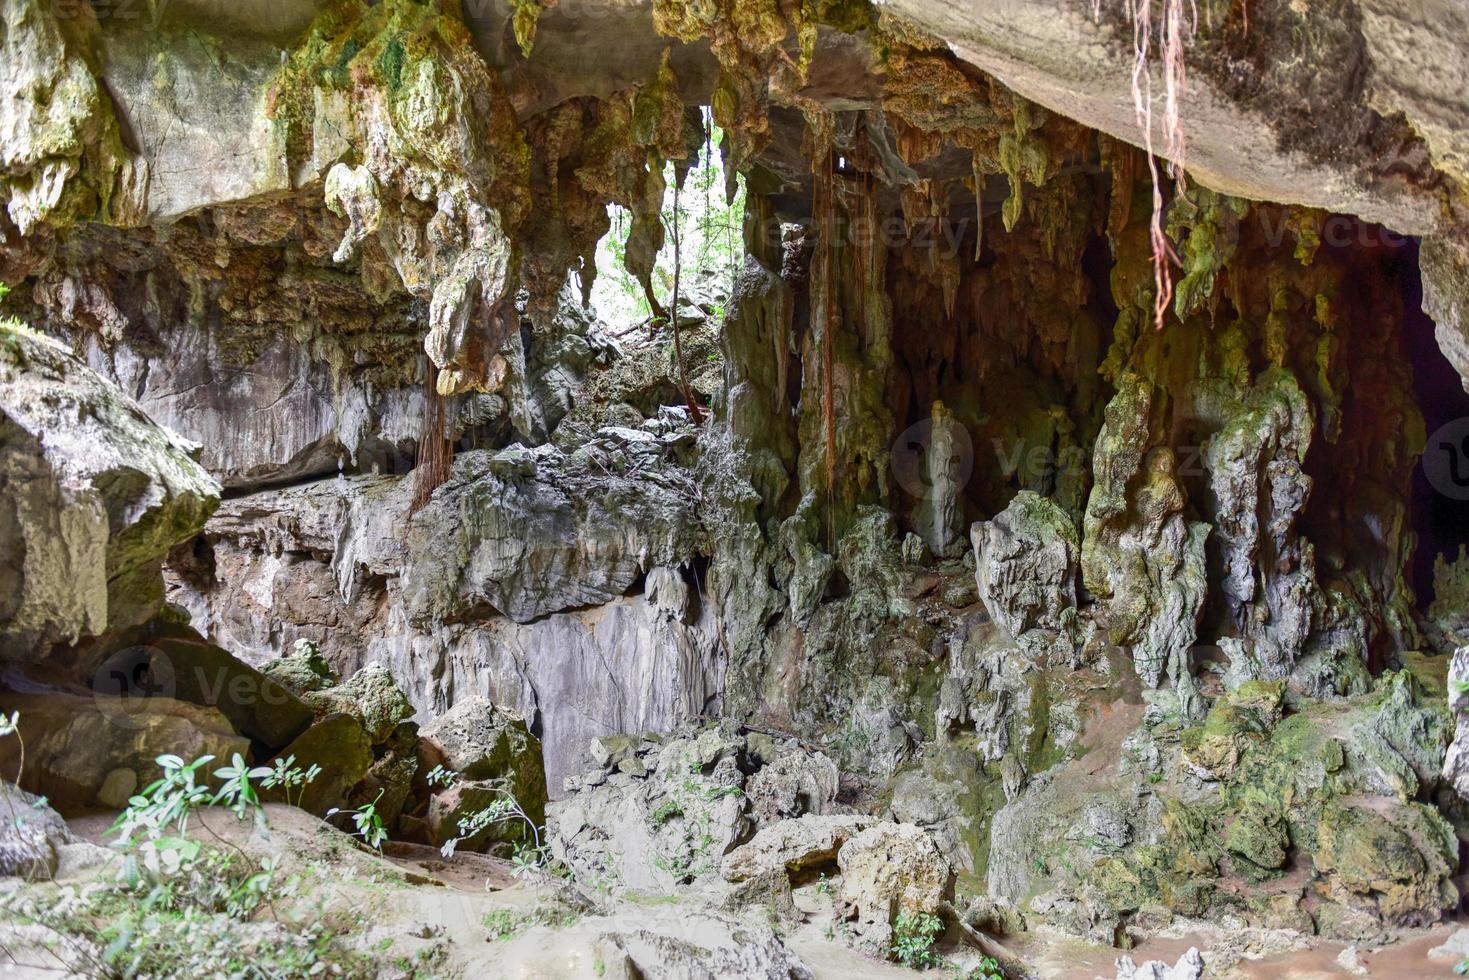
(412, 901)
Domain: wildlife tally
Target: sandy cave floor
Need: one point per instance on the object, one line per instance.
(411, 899)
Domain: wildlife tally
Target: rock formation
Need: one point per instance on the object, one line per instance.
(1048, 510)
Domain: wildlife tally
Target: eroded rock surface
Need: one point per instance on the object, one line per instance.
(95, 494)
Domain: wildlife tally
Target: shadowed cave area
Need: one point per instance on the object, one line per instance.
(765, 488)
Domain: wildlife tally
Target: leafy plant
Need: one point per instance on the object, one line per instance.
(505, 923)
(988, 969)
(665, 812)
(914, 935)
(166, 802)
(505, 809)
(286, 776)
(439, 776)
(366, 822)
(237, 792)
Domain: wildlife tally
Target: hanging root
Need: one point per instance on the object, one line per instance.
(435, 455)
(1168, 35)
(828, 354)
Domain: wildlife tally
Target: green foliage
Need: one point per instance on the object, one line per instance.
(507, 923)
(7, 322)
(182, 910)
(166, 802)
(238, 791)
(286, 776)
(665, 812)
(439, 776)
(366, 822)
(988, 969)
(526, 858)
(914, 935)
(712, 240)
(177, 908)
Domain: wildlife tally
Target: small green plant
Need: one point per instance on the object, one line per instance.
(237, 791)
(988, 969)
(527, 857)
(665, 812)
(286, 776)
(914, 935)
(166, 802)
(823, 885)
(505, 923)
(367, 823)
(439, 776)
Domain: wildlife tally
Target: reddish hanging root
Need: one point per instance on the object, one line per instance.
(828, 352)
(435, 455)
(1174, 29)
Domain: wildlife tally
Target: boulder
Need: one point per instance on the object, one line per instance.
(389, 781)
(371, 696)
(790, 782)
(480, 741)
(74, 744)
(93, 494)
(31, 835)
(1456, 759)
(889, 870)
(1397, 859)
(302, 670)
(258, 706)
(797, 848)
(339, 745)
(1190, 966)
(1025, 569)
(661, 820)
(462, 802)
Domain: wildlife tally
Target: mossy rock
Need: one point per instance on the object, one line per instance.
(1399, 856)
(341, 748)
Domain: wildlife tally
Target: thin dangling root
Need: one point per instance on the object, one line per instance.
(1174, 29)
(435, 454)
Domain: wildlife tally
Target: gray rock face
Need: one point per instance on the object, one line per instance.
(660, 817)
(1140, 555)
(278, 417)
(339, 563)
(92, 496)
(795, 847)
(1456, 759)
(1025, 568)
(31, 835)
